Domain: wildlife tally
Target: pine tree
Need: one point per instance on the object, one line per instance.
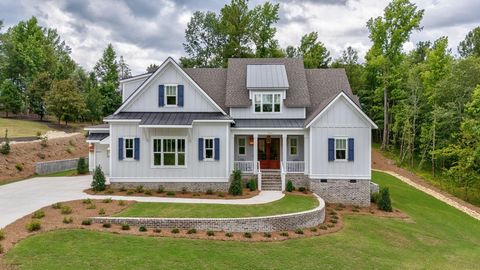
(98, 182)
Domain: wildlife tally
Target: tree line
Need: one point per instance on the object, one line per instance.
(425, 101)
(38, 75)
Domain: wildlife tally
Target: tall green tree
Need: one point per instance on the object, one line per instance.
(314, 53)
(355, 71)
(65, 101)
(37, 90)
(264, 17)
(152, 68)
(471, 44)
(388, 35)
(124, 69)
(107, 72)
(10, 98)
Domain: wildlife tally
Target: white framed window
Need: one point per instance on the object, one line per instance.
(341, 148)
(171, 97)
(293, 146)
(208, 149)
(168, 152)
(129, 148)
(242, 146)
(267, 102)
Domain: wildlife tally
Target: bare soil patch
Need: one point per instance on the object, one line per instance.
(28, 153)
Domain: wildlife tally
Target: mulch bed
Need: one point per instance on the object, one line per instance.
(178, 194)
(53, 220)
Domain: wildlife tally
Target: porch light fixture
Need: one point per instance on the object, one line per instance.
(91, 148)
(250, 140)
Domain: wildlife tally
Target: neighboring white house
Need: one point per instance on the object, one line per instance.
(270, 118)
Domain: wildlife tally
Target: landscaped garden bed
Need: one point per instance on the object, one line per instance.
(140, 191)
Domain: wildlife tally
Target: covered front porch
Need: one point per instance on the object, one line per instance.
(257, 152)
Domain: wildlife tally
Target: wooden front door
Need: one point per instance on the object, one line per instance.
(269, 153)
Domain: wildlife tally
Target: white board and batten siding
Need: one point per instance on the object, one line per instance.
(340, 120)
(130, 85)
(147, 99)
(195, 171)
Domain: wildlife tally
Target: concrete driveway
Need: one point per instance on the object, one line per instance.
(24, 197)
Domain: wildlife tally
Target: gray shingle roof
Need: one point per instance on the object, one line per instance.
(324, 85)
(99, 126)
(269, 123)
(236, 89)
(168, 118)
(266, 76)
(212, 81)
(97, 136)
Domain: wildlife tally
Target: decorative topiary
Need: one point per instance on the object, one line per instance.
(290, 186)
(252, 185)
(236, 185)
(82, 167)
(98, 183)
(384, 202)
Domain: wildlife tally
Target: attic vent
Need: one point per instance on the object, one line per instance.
(353, 181)
(323, 180)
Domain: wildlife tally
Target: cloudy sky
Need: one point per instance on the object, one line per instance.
(147, 31)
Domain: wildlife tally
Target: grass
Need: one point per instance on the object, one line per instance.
(288, 204)
(21, 128)
(58, 174)
(436, 236)
(440, 180)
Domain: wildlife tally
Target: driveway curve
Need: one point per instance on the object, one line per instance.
(24, 197)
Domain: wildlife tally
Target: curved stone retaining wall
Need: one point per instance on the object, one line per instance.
(310, 218)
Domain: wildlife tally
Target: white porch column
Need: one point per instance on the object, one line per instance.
(306, 152)
(255, 152)
(231, 153)
(284, 151)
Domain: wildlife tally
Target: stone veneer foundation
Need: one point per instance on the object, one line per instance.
(355, 192)
(176, 186)
(306, 219)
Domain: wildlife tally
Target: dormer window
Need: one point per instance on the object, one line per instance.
(171, 95)
(267, 102)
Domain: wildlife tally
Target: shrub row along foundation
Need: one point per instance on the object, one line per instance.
(306, 219)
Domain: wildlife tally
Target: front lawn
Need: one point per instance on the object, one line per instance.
(58, 174)
(288, 204)
(436, 236)
(22, 128)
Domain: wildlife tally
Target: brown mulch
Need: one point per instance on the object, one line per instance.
(178, 194)
(380, 162)
(28, 153)
(53, 220)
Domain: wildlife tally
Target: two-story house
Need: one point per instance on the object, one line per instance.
(270, 118)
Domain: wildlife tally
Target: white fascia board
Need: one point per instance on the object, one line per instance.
(97, 129)
(135, 78)
(213, 121)
(342, 94)
(122, 120)
(268, 128)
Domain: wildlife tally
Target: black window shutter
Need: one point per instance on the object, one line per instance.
(161, 95)
(217, 148)
(331, 149)
(351, 149)
(120, 148)
(136, 154)
(180, 95)
(200, 148)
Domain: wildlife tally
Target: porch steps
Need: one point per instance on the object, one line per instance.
(271, 181)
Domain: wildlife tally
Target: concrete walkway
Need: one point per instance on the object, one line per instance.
(24, 197)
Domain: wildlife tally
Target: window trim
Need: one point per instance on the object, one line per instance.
(290, 145)
(244, 146)
(335, 149)
(205, 149)
(152, 158)
(261, 102)
(166, 96)
(125, 148)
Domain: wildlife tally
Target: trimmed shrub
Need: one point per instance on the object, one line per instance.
(106, 225)
(170, 193)
(109, 191)
(302, 189)
(142, 229)
(72, 143)
(123, 189)
(34, 225)
(210, 233)
(69, 150)
(252, 185)
(147, 192)
(139, 189)
(19, 167)
(41, 155)
(330, 225)
(285, 234)
(38, 214)
(98, 183)
(67, 220)
(5, 149)
(160, 189)
(2, 234)
(44, 141)
(267, 235)
(91, 206)
(156, 230)
(57, 205)
(375, 197)
(101, 211)
(247, 235)
(236, 188)
(82, 167)
(290, 186)
(107, 200)
(192, 231)
(125, 227)
(299, 231)
(87, 222)
(384, 202)
(313, 229)
(175, 230)
(184, 190)
(1, 249)
(221, 195)
(209, 191)
(323, 227)
(229, 234)
(66, 210)
(121, 202)
(87, 201)
(130, 192)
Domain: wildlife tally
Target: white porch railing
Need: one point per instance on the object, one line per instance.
(243, 166)
(295, 166)
(259, 176)
(283, 173)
